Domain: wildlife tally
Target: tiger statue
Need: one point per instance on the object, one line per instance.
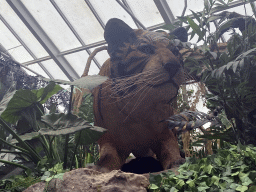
(145, 71)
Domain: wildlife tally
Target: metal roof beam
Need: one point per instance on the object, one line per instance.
(127, 5)
(73, 30)
(95, 13)
(24, 45)
(165, 11)
(131, 14)
(89, 46)
(43, 38)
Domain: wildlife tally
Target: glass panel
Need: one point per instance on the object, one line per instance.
(111, 9)
(20, 54)
(82, 19)
(146, 12)
(52, 23)
(54, 70)
(78, 61)
(37, 69)
(177, 8)
(18, 26)
(7, 39)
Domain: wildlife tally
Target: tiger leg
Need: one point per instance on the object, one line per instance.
(110, 157)
(167, 150)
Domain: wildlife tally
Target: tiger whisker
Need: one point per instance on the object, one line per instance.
(138, 92)
(137, 102)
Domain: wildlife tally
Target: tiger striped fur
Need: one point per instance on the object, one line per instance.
(145, 71)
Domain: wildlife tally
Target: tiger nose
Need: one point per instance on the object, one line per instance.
(172, 68)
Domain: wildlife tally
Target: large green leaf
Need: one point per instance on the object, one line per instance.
(26, 137)
(44, 94)
(63, 124)
(4, 102)
(88, 82)
(21, 99)
(90, 135)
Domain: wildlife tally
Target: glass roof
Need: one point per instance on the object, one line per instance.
(54, 38)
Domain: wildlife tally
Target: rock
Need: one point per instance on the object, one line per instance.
(89, 180)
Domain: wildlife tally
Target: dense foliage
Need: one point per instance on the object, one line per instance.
(232, 168)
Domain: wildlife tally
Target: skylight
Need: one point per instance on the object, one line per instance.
(55, 37)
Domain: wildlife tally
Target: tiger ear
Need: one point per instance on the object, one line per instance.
(116, 33)
(180, 33)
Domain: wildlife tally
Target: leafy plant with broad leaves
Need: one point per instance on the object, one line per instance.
(230, 169)
(38, 137)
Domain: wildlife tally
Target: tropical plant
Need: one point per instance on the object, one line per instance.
(24, 108)
(229, 75)
(230, 169)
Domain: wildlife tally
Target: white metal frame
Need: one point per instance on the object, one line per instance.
(58, 56)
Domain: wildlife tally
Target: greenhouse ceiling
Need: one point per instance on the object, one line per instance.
(54, 38)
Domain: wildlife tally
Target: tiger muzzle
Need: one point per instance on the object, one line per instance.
(172, 68)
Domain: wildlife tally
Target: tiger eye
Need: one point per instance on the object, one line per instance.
(148, 49)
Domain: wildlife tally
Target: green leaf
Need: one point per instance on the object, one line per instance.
(214, 55)
(63, 124)
(235, 65)
(190, 183)
(224, 27)
(173, 189)
(26, 137)
(245, 179)
(6, 99)
(192, 34)
(88, 82)
(195, 28)
(219, 72)
(217, 161)
(215, 180)
(236, 173)
(241, 188)
(59, 176)
(153, 186)
(212, 18)
(180, 183)
(222, 2)
(90, 135)
(196, 16)
(20, 100)
(246, 53)
(169, 27)
(44, 94)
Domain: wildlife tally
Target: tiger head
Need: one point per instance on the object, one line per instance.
(135, 53)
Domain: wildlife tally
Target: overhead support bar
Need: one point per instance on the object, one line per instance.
(127, 5)
(95, 13)
(165, 11)
(73, 30)
(82, 48)
(43, 38)
(25, 46)
(131, 14)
